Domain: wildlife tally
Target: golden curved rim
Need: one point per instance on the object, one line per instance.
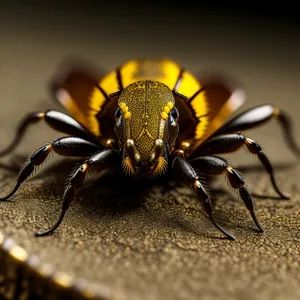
(24, 275)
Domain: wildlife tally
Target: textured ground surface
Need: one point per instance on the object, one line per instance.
(160, 246)
(164, 245)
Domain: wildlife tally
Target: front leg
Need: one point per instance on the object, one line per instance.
(66, 146)
(99, 161)
(56, 120)
(214, 165)
(227, 143)
(185, 173)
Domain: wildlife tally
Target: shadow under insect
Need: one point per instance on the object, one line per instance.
(111, 193)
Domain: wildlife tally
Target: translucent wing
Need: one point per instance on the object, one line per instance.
(85, 94)
(73, 86)
(224, 96)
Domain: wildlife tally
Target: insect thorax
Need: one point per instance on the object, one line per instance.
(146, 106)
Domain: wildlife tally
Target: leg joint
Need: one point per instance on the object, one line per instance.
(252, 146)
(234, 178)
(39, 156)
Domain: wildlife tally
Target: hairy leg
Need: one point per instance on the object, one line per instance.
(259, 115)
(56, 120)
(214, 165)
(186, 174)
(227, 143)
(97, 162)
(66, 146)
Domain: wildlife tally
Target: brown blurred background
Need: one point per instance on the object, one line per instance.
(259, 45)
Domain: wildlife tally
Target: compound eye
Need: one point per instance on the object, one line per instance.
(175, 114)
(117, 114)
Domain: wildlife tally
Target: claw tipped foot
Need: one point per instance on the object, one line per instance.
(52, 229)
(11, 193)
(260, 229)
(227, 234)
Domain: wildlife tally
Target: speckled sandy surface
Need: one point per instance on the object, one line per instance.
(161, 246)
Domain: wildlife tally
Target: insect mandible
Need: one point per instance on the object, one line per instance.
(152, 118)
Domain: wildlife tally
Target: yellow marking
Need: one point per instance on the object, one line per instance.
(18, 253)
(49, 148)
(125, 109)
(141, 85)
(188, 87)
(197, 184)
(164, 115)
(41, 115)
(109, 142)
(122, 105)
(236, 99)
(161, 166)
(185, 145)
(141, 134)
(147, 132)
(276, 112)
(128, 71)
(162, 70)
(166, 109)
(170, 105)
(93, 104)
(249, 141)
(128, 167)
(171, 71)
(96, 98)
(84, 167)
(127, 115)
(162, 124)
(179, 153)
(229, 169)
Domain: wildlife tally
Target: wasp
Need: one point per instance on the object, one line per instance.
(152, 118)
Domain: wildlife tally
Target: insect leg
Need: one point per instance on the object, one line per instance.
(99, 161)
(66, 146)
(186, 174)
(231, 142)
(259, 115)
(56, 120)
(214, 165)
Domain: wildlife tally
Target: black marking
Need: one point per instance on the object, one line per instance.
(195, 95)
(178, 81)
(115, 94)
(202, 116)
(103, 92)
(119, 78)
(185, 98)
